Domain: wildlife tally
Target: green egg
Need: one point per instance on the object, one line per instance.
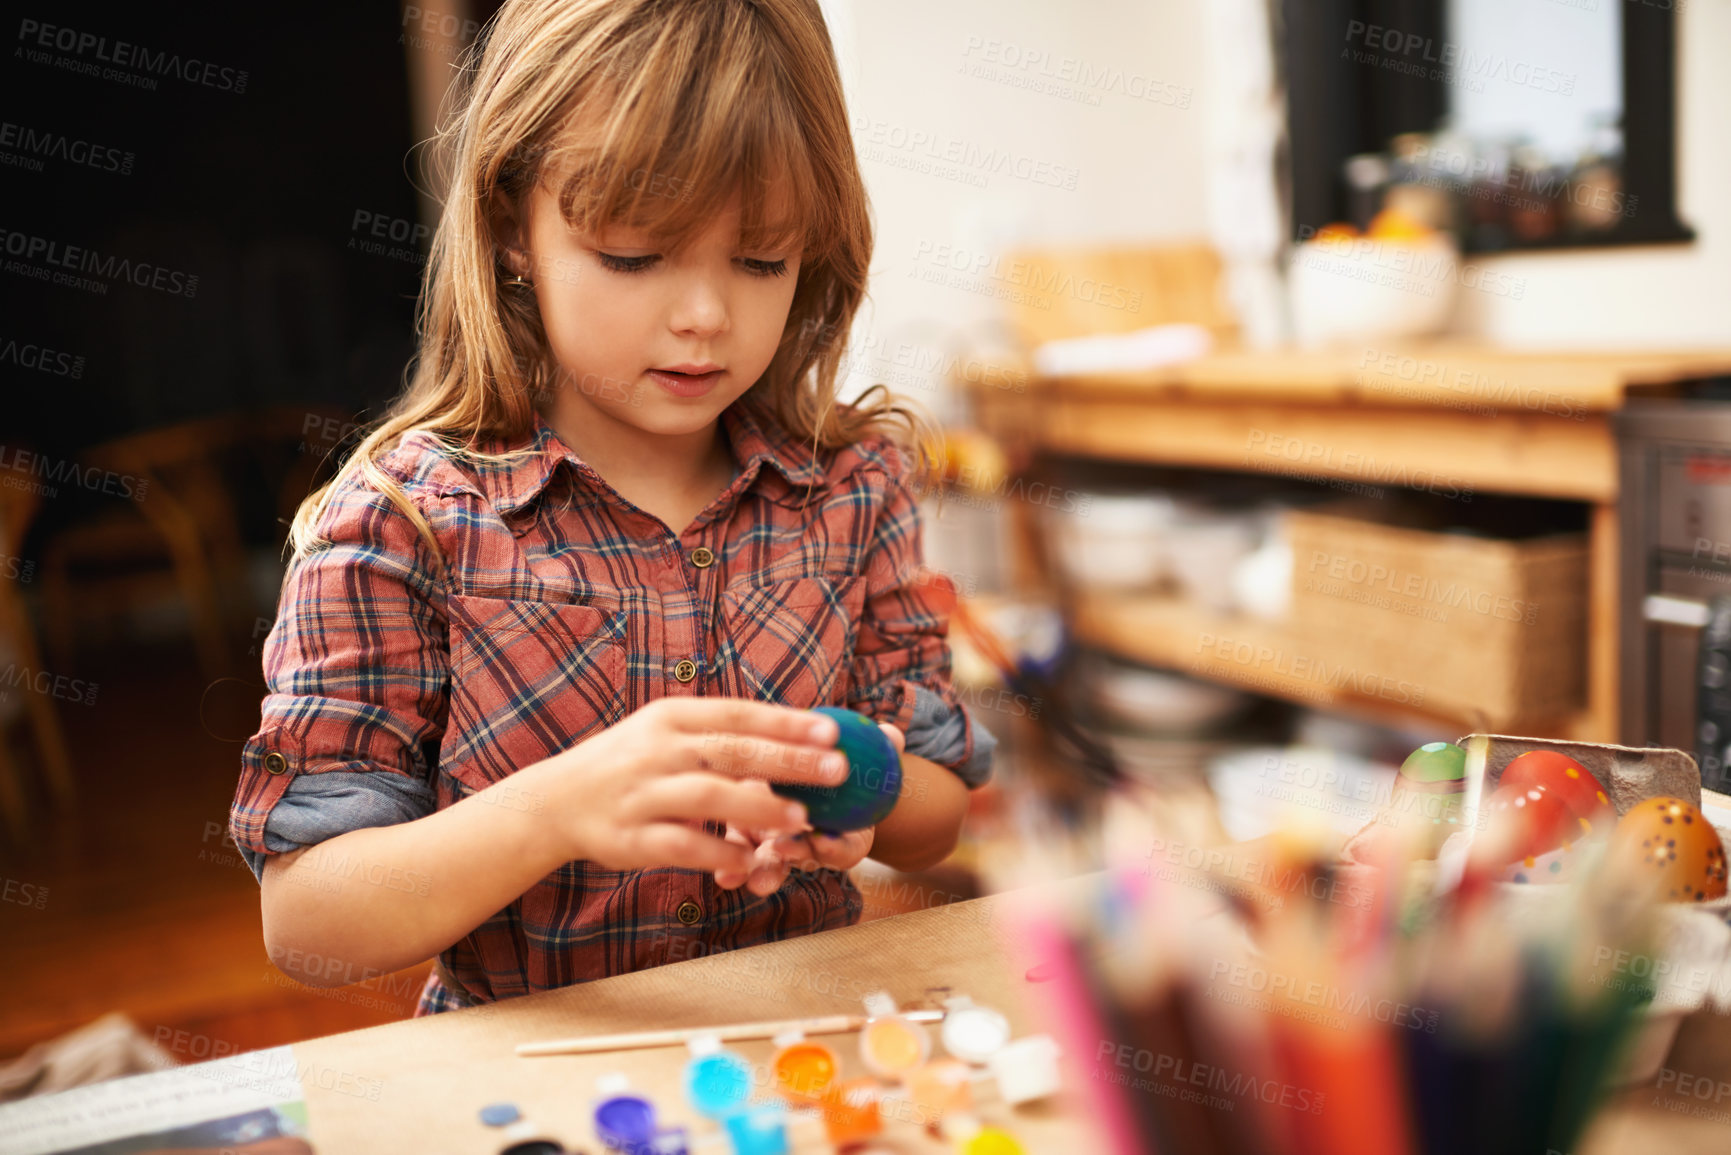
(874, 779)
(1435, 762)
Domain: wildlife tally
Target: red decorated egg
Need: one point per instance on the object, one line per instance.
(1524, 821)
(1668, 844)
(1566, 778)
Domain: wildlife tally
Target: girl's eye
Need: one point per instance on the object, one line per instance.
(764, 268)
(626, 264)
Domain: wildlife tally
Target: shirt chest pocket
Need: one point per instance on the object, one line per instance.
(790, 642)
(528, 679)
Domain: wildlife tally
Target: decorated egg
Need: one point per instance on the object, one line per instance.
(874, 779)
(1560, 774)
(1524, 821)
(1669, 844)
(1429, 790)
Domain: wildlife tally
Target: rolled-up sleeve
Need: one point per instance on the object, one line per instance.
(901, 668)
(357, 677)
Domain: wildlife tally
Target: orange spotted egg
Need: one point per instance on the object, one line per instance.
(1669, 844)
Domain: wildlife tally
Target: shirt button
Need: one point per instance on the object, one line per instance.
(685, 670)
(702, 557)
(689, 912)
(275, 763)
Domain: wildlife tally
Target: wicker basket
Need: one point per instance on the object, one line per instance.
(1493, 631)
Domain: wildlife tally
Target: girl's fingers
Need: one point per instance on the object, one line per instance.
(670, 844)
(695, 795)
(742, 716)
(734, 879)
(897, 738)
(768, 872)
(759, 759)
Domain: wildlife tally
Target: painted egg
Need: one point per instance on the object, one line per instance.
(1524, 821)
(1560, 774)
(1435, 762)
(1552, 866)
(1429, 790)
(1670, 844)
(874, 779)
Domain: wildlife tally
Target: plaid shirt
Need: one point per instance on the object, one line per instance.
(566, 608)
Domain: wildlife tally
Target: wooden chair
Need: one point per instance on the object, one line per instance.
(178, 533)
(1079, 292)
(17, 510)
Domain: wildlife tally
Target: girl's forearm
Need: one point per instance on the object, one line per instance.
(376, 900)
(923, 828)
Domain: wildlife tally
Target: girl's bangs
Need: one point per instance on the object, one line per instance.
(681, 143)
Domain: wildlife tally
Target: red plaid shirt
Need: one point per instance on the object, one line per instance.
(566, 608)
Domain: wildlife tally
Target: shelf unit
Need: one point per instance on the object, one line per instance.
(1487, 420)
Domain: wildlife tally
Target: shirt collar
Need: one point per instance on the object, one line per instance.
(755, 441)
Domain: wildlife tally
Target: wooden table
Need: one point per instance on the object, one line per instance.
(1497, 421)
(417, 1085)
(437, 1072)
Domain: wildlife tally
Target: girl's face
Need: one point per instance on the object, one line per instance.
(657, 339)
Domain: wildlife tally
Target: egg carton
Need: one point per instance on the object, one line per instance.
(1690, 961)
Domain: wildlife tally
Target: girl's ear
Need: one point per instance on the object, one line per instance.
(511, 237)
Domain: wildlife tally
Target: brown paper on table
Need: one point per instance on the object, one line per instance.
(439, 1071)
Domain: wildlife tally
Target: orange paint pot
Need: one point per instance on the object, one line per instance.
(803, 1071)
(891, 1046)
(939, 1087)
(851, 1111)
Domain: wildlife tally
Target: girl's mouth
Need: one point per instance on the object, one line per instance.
(683, 384)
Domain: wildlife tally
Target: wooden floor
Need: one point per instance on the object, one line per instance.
(146, 911)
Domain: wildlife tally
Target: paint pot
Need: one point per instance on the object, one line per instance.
(759, 1130)
(890, 1045)
(972, 1033)
(623, 1121)
(1026, 1069)
(717, 1081)
(803, 1070)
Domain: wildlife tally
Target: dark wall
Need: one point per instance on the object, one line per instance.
(206, 212)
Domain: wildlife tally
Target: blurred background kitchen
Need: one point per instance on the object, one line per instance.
(1320, 379)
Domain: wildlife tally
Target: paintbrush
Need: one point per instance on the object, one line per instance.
(729, 1033)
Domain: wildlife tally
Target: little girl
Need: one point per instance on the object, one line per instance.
(558, 621)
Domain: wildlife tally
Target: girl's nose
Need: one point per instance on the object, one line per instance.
(701, 309)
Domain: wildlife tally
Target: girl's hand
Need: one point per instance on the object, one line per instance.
(776, 853)
(636, 794)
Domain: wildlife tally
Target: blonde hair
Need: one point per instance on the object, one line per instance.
(697, 98)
